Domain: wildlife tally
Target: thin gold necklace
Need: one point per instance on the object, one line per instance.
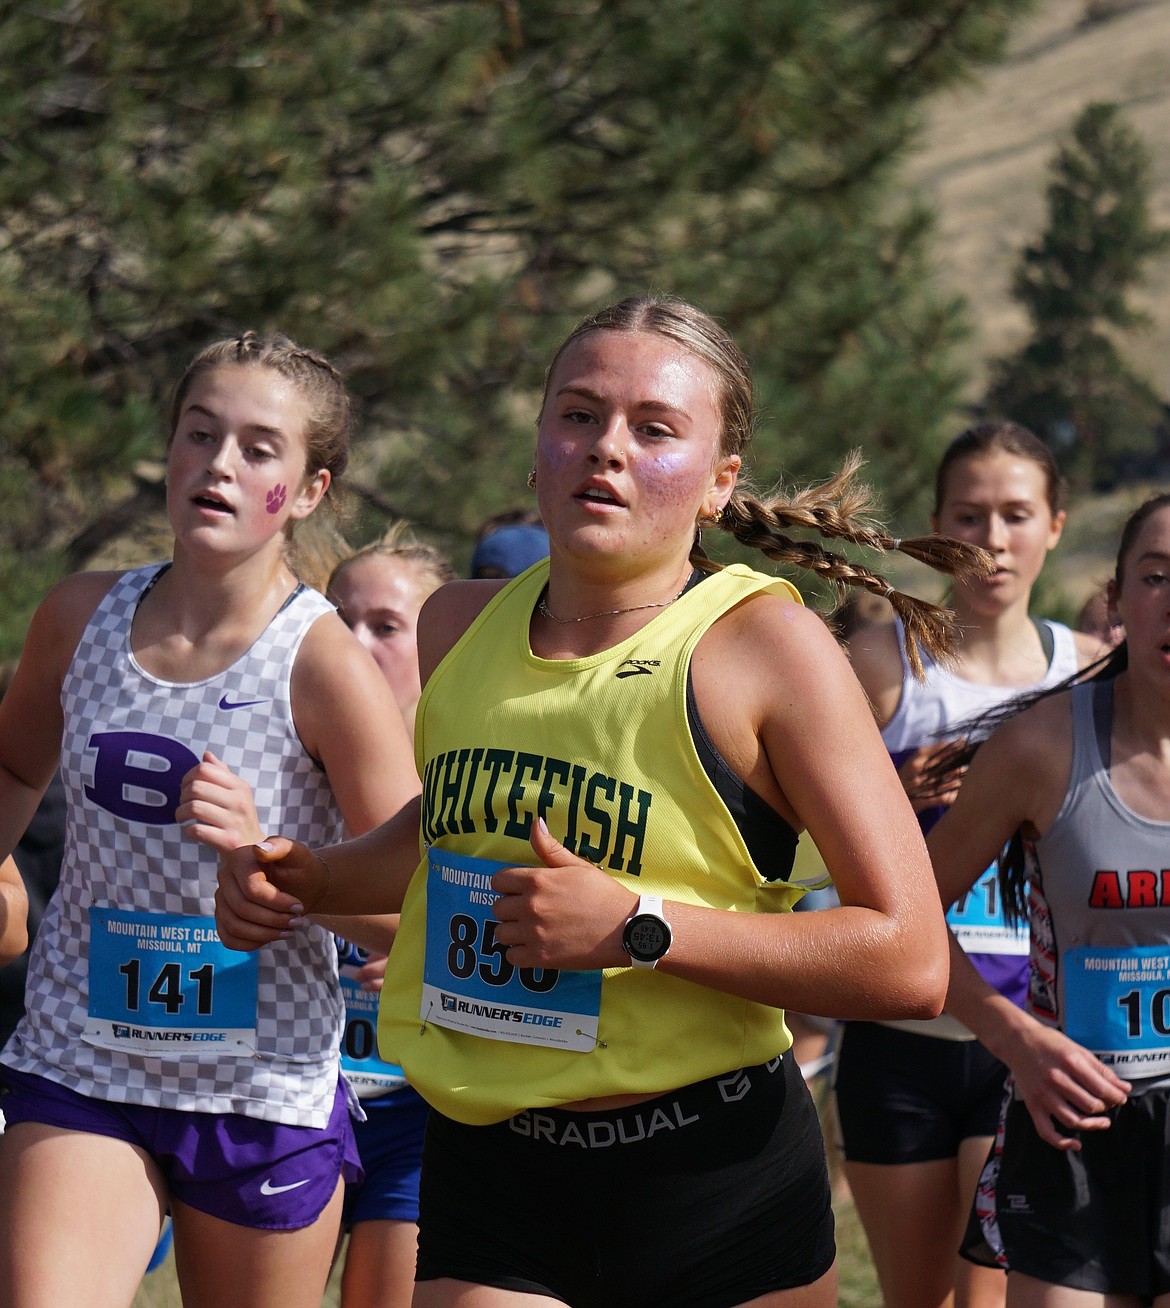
(542, 605)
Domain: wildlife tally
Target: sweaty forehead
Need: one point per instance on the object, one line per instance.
(378, 580)
(1153, 537)
(654, 367)
(252, 396)
(999, 478)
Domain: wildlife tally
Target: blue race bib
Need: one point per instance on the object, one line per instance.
(468, 983)
(1117, 1005)
(978, 922)
(165, 984)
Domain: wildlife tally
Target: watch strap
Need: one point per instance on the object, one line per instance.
(647, 906)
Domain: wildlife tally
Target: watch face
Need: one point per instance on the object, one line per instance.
(646, 938)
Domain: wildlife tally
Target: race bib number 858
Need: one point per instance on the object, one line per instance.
(468, 983)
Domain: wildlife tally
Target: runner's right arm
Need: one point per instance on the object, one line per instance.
(1017, 779)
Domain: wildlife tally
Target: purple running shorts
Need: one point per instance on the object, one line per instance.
(237, 1168)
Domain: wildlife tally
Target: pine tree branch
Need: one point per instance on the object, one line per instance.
(149, 496)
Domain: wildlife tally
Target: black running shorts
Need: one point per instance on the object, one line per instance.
(909, 1098)
(705, 1197)
(1097, 1219)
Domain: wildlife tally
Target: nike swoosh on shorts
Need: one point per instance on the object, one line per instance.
(268, 1188)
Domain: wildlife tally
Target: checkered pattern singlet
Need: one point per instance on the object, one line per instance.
(128, 740)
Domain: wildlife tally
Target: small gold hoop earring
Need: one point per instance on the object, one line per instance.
(531, 483)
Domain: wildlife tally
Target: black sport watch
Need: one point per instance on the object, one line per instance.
(646, 935)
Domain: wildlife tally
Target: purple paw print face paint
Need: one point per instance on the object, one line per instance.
(276, 498)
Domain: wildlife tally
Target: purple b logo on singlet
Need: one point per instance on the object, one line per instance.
(142, 791)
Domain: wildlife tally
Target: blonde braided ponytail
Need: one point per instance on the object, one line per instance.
(841, 508)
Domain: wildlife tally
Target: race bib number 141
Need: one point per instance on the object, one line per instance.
(165, 984)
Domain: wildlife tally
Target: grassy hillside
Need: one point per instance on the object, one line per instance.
(983, 165)
(987, 148)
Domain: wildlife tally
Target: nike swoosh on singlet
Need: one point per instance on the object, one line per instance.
(268, 1188)
(228, 704)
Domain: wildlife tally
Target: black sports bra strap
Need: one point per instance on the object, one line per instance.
(1103, 719)
(1047, 639)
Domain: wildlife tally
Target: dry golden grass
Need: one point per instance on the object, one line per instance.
(986, 150)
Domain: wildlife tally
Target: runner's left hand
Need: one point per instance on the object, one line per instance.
(567, 914)
(217, 807)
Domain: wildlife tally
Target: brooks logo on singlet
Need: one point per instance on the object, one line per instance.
(637, 667)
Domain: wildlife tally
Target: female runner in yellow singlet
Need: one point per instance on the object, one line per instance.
(618, 749)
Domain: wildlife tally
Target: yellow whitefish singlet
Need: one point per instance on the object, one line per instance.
(601, 748)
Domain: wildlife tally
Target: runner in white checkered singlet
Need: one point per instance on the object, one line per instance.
(158, 1069)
